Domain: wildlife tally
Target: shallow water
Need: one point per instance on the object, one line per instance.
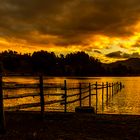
(125, 102)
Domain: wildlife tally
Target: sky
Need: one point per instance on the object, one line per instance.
(105, 29)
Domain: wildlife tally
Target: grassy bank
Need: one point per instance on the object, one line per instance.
(70, 126)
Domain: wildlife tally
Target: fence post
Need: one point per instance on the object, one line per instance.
(2, 119)
(41, 95)
(110, 85)
(102, 96)
(117, 87)
(112, 88)
(96, 88)
(80, 94)
(89, 95)
(65, 95)
(120, 86)
(107, 90)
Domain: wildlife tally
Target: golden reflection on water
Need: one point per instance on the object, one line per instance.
(125, 102)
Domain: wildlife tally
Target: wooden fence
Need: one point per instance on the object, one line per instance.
(83, 91)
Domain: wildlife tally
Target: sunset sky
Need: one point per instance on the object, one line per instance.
(106, 29)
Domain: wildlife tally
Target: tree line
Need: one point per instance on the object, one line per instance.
(48, 63)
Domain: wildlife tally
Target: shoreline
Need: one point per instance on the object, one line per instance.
(70, 126)
(68, 76)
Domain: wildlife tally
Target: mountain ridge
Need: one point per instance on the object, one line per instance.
(129, 66)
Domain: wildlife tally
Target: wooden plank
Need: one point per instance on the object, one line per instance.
(96, 88)
(85, 91)
(24, 106)
(41, 95)
(20, 96)
(89, 95)
(6, 97)
(71, 95)
(65, 96)
(80, 94)
(2, 117)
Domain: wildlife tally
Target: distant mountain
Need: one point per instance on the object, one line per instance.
(73, 64)
(131, 62)
(130, 66)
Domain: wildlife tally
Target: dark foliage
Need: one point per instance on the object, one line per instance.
(73, 64)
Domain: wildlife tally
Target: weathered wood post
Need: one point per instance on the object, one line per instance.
(96, 88)
(102, 96)
(2, 119)
(89, 95)
(117, 87)
(80, 94)
(65, 96)
(107, 91)
(41, 95)
(112, 88)
(120, 86)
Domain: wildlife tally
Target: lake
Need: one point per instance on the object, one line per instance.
(127, 101)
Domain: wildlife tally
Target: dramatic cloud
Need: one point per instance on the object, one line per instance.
(70, 20)
(120, 55)
(97, 51)
(117, 54)
(88, 24)
(137, 44)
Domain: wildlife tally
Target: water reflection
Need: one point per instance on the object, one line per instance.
(125, 102)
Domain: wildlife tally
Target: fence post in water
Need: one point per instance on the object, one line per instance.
(41, 95)
(102, 96)
(89, 95)
(96, 88)
(65, 95)
(112, 89)
(117, 87)
(2, 119)
(80, 94)
(107, 91)
(120, 86)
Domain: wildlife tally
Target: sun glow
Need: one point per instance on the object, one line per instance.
(102, 43)
(3, 42)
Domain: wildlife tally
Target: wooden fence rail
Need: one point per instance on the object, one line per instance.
(66, 97)
(2, 119)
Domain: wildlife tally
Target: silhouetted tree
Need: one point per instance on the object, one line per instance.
(73, 64)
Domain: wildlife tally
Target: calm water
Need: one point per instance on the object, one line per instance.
(125, 102)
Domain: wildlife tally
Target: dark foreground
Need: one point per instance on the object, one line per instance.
(70, 126)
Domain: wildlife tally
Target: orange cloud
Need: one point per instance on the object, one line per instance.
(70, 25)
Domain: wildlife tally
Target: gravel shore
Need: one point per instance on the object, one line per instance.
(70, 126)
